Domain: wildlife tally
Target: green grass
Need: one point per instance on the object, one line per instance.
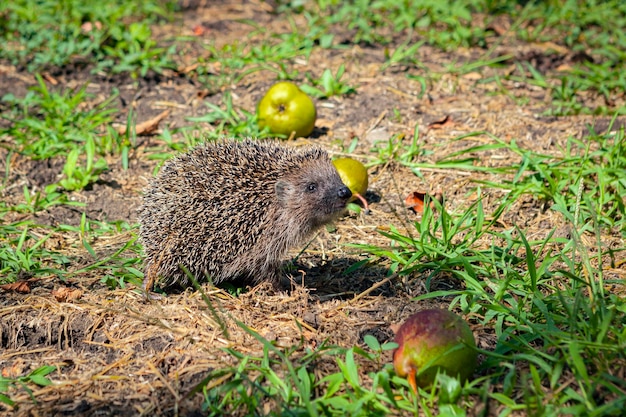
(546, 299)
(234, 61)
(47, 34)
(558, 328)
(588, 26)
(23, 253)
(230, 121)
(47, 123)
(328, 84)
(117, 38)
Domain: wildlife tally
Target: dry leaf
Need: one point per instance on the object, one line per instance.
(66, 294)
(498, 28)
(89, 26)
(147, 127)
(13, 371)
(46, 76)
(439, 124)
(564, 68)
(415, 201)
(184, 69)
(202, 94)
(198, 30)
(551, 46)
(22, 287)
(473, 76)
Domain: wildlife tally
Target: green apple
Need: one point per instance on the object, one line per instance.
(354, 176)
(287, 110)
(432, 341)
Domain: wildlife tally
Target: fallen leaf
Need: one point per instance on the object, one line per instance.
(327, 123)
(564, 68)
(46, 76)
(439, 124)
(510, 70)
(198, 30)
(13, 371)
(551, 46)
(415, 201)
(66, 294)
(473, 76)
(202, 94)
(89, 26)
(498, 28)
(147, 127)
(22, 287)
(185, 69)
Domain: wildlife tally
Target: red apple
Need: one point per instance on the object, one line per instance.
(432, 341)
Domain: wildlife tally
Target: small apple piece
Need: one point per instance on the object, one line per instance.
(354, 176)
(434, 340)
(287, 110)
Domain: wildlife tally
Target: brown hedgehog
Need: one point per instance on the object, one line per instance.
(231, 210)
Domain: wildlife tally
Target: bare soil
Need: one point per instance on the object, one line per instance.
(118, 355)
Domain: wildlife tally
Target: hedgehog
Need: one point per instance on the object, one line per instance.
(231, 210)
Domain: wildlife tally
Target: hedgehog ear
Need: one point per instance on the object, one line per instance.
(283, 190)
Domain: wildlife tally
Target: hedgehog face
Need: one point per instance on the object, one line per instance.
(316, 195)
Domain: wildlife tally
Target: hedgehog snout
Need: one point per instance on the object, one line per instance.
(344, 193)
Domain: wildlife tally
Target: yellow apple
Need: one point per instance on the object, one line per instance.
(354, 176)
(286, 110)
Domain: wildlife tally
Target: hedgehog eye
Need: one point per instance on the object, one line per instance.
(311, 187)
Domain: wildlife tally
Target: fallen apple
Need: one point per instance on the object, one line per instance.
(286, 110)
(354, 176)
(432, 341)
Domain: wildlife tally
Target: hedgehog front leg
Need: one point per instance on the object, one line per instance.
(149, 278)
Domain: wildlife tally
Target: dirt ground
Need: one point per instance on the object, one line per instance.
(119, 355)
